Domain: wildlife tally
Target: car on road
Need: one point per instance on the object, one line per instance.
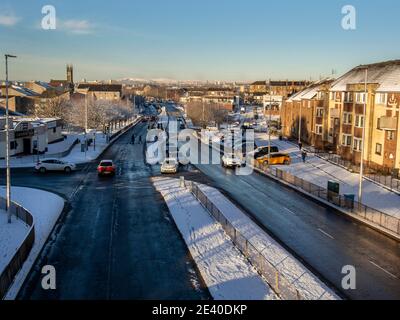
(106, 167)
(45, 165)
(231, 160)
(275, 158)
(262, 151)
(169, 165)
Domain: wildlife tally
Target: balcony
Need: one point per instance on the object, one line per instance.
(387, 123)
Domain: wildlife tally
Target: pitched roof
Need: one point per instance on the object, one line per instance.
(101, 87)
(385, 74)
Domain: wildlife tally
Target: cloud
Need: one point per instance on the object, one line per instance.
(8, 20)
(76, 26)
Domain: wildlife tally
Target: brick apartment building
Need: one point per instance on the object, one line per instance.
(332, 115)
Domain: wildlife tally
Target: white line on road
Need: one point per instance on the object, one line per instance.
(325, 233)
(384, 270)
(288, 210)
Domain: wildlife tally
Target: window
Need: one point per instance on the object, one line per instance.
(320, 112)
(360, 97)
(333, 95)
(346, 140)
(13, 145)
(381, 98)
(318, 129)
(378, 149)
(54, 130)
(347, 118)
(390, 135)
(359, 121)
(348, 97)
(357, 144)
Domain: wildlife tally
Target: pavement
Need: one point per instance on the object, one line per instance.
(117, 241)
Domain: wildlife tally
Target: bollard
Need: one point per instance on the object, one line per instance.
(182, 182)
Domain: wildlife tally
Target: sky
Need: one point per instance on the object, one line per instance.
(196, 40)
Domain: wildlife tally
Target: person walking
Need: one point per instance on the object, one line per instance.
(133, 139)
(300, 145)
(140, 139)
(303, 155)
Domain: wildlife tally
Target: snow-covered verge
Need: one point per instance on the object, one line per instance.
(45, 208)
(75, 156)
(319, 172)
(307, 284)
(225, 271)
(12, 236)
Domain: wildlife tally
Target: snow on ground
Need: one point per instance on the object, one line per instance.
(46, 208)
(76, 156)
(11, 237)
(319, 172)
(309, 286)
(227, 274)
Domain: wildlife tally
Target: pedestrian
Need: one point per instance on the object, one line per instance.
(300, 145)
(133, 139)
(303, 155)
(140, 139)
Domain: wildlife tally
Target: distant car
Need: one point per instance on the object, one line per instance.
(169, 165)
(275, 158)
(45, 165)
(106, 167)
(231, 160)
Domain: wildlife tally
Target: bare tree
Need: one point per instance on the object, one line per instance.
(207, 113)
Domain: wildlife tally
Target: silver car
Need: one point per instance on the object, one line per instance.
(45, 165)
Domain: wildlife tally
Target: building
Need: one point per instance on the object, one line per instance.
(258, 87)
(65, 85)
(306, 113)
(381, 119)
(95, 91)
(284, 88)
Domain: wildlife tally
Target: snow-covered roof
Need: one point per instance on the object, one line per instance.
(309, 92)
(385, 74)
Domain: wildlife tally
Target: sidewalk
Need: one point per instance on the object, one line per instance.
(319, 172)
(75, 156)
(45, 217)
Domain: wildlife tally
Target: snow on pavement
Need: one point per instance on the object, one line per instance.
(309, 286)
(226, 272)
(46, 208)
(11, 237)
(319, 171)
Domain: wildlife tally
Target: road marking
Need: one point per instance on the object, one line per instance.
(288, 210)
(384, 270)
(325, 233)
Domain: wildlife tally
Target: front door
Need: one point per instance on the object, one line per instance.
(27, 146)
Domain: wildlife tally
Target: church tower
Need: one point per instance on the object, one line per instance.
(70, 73)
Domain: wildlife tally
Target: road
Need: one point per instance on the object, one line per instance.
(324, 239)
(117, 240)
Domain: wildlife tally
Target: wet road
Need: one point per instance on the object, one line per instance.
(323, 239)
(118, 240)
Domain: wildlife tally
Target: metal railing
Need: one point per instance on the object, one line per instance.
(17, 261)
(376, 217)
(284, 288)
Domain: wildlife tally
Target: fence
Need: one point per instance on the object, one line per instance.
(385, 177)
(364, 212)
(279, 283)
(16, 262)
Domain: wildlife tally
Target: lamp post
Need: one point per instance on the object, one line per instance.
(8, 173)
(269, 124)
(360, 186)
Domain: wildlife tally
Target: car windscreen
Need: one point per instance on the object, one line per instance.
(106, 164)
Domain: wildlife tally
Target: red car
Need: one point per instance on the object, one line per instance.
(106, 167)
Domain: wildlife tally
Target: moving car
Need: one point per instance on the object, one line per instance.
(106, 167)
(262, 151)
(45, 165)
(169, 165)
(231, 160)
(275, 158)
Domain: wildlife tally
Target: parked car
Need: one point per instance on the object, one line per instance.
(275, 158)
(106, 167)
(231, 160)
(45, 165)
(169, 165)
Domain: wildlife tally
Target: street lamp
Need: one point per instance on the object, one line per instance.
(8, 174)
(360, 186)
(269, 124)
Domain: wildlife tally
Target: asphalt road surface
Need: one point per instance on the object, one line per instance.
(324, 239)
(118, 240)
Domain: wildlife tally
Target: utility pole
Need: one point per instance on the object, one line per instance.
(269, 124)
(8, 171)
(203, 114)
(360, 187)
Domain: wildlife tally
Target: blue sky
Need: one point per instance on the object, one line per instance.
(207, 39)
